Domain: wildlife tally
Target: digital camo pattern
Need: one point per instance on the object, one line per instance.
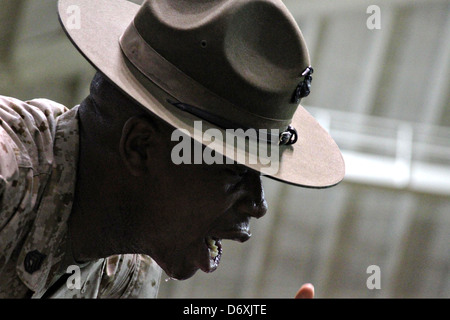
(38, 156)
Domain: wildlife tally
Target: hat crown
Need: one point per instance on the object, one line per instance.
(249, 52)
(137, 47)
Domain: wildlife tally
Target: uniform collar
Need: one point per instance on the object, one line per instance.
(46, 245)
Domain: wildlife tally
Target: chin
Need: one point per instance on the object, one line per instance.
(180, 273)
(183, 264)
(176, 266)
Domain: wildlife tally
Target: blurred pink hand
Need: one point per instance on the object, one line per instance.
(306, 291)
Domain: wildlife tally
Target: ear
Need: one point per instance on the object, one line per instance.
(138, 137)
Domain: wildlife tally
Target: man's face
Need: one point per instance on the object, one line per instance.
(189, 209)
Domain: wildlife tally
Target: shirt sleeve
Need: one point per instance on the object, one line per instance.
(26, 154)
(130, 276)
(10, 176)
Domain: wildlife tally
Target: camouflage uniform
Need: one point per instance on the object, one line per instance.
(38, 157)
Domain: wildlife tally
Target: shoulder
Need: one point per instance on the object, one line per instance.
(37, 111)
(26, 150)
(30, 126)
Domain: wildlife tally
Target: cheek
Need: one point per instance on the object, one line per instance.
(186, 215)
(201, 192)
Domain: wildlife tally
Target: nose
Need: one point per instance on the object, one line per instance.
(253, 203)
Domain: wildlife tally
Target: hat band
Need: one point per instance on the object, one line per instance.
(185, 89)
(288, 137)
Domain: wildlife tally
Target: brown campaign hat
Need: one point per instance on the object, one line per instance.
(232, 64)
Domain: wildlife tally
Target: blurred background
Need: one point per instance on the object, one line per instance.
(381, 88)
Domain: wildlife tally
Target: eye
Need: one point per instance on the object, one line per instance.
(231, 172)
(237, 170)
(234, 175)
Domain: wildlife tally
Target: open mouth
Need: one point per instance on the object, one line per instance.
(214, 246)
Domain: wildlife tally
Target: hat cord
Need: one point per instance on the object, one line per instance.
(304, 88)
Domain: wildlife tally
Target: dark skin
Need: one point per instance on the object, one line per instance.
(131, 198)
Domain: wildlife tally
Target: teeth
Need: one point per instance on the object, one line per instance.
(213, 248)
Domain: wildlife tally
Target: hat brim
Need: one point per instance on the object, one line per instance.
(315, 161)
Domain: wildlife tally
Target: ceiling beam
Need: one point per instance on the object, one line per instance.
(9, 22)
(301, 8)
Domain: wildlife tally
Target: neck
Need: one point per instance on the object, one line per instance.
(95, 208)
